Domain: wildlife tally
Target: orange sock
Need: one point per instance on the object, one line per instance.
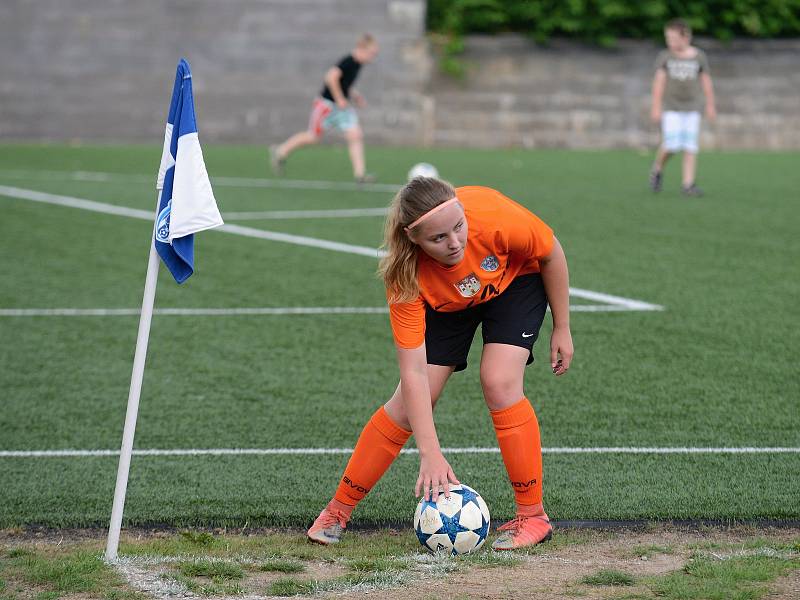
(379, 444)
(518, 435)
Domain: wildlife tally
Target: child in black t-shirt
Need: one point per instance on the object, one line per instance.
(332, 110)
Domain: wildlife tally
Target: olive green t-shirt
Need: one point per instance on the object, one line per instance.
(683, 91)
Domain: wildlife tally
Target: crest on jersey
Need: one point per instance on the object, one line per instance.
(490, 263)
(469, 286)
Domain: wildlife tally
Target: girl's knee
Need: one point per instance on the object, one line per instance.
(500, 390)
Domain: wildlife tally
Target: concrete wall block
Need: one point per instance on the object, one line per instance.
(102, 70)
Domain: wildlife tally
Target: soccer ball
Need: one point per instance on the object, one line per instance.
(422, 170)
(456, 525)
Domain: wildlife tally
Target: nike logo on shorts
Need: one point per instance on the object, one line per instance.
(526, 334)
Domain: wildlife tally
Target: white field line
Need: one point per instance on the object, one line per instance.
(126, 312)
(239, 182)
(468, 450)
(619, 301)
(306, 214)
(102, 207)
(226, 312)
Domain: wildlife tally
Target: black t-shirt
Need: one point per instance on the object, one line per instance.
(349, 68)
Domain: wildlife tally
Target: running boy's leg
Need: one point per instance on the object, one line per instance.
(278, 154)
(355, 146)
(517, 430)
(379, 444)
(320, 110)
(298, 140)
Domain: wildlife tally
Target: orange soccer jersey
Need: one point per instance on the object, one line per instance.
(504, 240)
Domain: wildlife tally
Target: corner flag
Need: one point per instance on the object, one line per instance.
(186, 204)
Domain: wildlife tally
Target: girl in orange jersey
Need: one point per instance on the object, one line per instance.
(456, 259)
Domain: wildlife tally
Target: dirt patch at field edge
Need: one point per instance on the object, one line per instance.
(553, 572)
(785, 587)
(556, 575)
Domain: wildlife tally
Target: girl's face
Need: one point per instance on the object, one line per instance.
(443, 236)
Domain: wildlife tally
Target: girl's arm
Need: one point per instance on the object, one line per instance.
(434, 470)
(555, 277)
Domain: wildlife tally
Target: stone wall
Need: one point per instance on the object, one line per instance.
(569, 95)
(102, 70)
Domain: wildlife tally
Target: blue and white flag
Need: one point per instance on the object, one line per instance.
(186, 202)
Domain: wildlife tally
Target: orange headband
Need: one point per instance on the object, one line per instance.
(432, 211)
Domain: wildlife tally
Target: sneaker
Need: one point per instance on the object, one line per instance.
(523, 531)
(655, 181)
(278, 163)
(692, 191)
(328, 527)
(366, 178)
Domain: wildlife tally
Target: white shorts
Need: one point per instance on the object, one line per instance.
(680, 130)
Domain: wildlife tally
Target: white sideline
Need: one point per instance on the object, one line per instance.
(334, 213)
(242, 182)
(468, 450)
(225, 312)
(35, 196)
(102, 207)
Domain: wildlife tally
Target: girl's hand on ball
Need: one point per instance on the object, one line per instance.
(435, 474)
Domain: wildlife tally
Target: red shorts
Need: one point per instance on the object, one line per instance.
(319, 112)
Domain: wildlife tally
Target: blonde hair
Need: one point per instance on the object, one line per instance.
(365, 39)
(398, 267)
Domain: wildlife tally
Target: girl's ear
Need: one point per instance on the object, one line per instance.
(411, 236)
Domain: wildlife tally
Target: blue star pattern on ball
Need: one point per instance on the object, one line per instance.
(457, 525)
(467, 495)
(450, 526)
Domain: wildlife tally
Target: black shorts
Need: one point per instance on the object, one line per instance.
(514, 317)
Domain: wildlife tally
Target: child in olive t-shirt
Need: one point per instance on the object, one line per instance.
(681, 82)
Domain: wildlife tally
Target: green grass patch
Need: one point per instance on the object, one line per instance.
(287, 586)
(754, 543)
(213, 569)
(278, 565)
(375, 565)
(487, 558)
(198, 538)
(72, 572)
(215, 587)
(735, 578)
(608, 577)
(648, 551)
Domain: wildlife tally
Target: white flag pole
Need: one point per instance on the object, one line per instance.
(133, 398)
